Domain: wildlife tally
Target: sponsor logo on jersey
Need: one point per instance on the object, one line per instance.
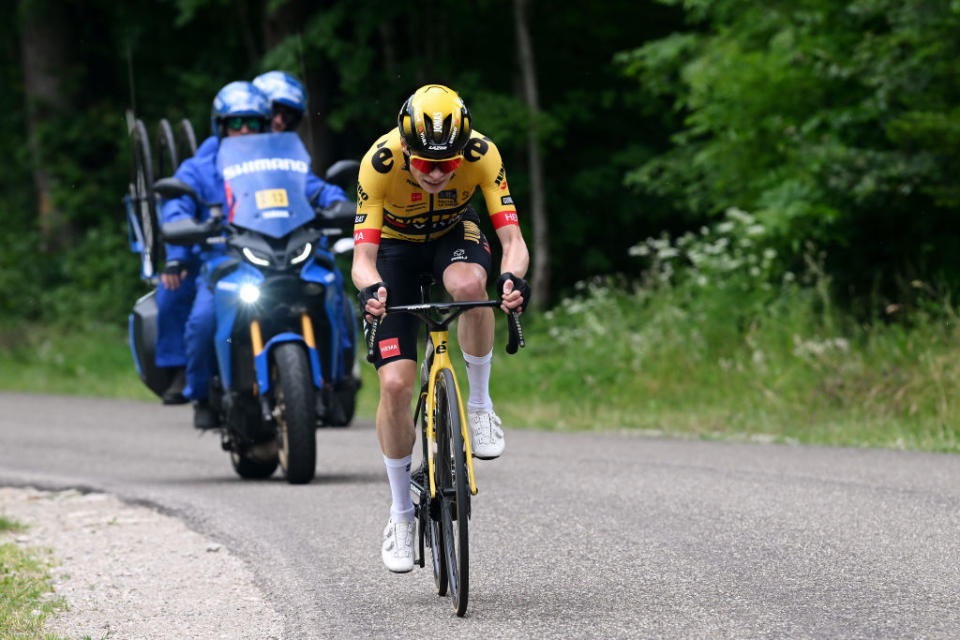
(506, 200)
(416, 197)
(447, 198)
(504, 218)
(360, 218)
(264, 164)
(389, 348)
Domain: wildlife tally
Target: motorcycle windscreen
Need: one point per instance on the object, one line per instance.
(265, 175)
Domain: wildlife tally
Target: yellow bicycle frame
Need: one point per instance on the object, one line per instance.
(441, 361)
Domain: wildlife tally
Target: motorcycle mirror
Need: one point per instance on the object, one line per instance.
(343, 173)
(170, 188)
(339, 211)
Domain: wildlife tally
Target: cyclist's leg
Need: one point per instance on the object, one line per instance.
(396, 362)
(463, 258)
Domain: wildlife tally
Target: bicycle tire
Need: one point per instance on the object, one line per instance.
(453, 490)
(141, 176)
(167, 161)
(186, 140)
(430, 512)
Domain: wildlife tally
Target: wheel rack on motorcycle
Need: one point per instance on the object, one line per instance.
(286, 333)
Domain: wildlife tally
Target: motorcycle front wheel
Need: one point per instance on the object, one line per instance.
(293, 393)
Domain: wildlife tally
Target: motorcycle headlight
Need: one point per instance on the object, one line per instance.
(255, 258)
(249, 293)
(303, 254)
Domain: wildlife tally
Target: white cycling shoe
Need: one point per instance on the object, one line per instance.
(486, 435)
(397, 549)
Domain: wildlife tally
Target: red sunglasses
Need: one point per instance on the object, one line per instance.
(425, 165)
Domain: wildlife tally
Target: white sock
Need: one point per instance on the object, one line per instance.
(478, 375)
(398, 472)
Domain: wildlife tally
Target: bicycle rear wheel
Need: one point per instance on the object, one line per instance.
(453, 490)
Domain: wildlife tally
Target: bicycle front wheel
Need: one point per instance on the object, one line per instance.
(452, 489)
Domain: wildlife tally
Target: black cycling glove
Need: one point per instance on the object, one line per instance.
(370, 293)
(519, 284)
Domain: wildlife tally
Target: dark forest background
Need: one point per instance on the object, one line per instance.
(836, 125)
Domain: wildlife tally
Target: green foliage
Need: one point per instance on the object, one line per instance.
(835, 122)
(719, 341)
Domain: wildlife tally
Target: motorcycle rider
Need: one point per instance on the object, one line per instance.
(239, 108)
(177, 287)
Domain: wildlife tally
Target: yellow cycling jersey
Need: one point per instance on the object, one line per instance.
(390, 203)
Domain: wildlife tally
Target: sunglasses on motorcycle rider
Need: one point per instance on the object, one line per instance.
(254, 123)
(426, 165)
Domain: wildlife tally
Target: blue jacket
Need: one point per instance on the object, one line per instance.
(200, 172)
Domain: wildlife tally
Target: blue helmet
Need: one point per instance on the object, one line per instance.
(283, 88)
(238, 99)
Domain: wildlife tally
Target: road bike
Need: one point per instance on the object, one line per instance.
(443, 484)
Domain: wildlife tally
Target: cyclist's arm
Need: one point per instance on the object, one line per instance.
(516, 257)
(371, 185)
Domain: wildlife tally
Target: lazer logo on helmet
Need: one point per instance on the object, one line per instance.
(264, 164)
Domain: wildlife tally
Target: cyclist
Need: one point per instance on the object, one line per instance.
(414, 216)
(177, 287)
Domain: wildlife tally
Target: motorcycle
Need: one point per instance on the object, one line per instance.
(286, 334)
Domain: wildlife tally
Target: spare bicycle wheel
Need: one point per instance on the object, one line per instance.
(144, 199)
(167, 157)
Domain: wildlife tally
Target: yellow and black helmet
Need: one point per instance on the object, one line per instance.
(434, 122)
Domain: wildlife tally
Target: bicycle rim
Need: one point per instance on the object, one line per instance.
(454, 491)
(430, 522)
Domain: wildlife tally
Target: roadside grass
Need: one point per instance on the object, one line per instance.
(74, 360)
(632, 359)
(677, 360)
(27, 598)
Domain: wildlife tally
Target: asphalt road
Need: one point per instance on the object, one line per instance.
(572, 536)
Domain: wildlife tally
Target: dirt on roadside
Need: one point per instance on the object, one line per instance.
(129, 572)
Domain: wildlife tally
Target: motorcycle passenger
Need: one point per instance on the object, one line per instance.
(288, 102)
(413, 215)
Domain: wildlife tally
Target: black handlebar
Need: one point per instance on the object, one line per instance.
(514, 340)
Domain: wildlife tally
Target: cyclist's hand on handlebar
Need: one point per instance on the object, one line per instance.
(514, 292)
(373, 300)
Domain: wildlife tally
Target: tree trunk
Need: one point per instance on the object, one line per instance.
(44, 59)
(540, 278)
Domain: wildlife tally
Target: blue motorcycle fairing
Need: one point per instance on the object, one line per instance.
(262, 361)
(227, 303)
(265, 178)
(316, 271)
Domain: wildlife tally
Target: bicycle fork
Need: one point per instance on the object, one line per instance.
(441, 360)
